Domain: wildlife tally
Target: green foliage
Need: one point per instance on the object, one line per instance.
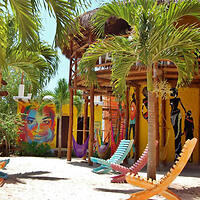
(34, 149)
(39, 62)
(153, 38)
(10, 129)
(60, 97)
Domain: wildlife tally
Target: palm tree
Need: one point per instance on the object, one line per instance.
(28, 21)
(155, 36)
(38, 63)
(60, 97)
(27, 24)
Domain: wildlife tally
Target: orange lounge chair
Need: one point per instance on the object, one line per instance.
(153, 187)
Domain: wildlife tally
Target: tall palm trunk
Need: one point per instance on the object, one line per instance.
(60, 132)
(151, 167)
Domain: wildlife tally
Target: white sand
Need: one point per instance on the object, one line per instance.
(33, 178)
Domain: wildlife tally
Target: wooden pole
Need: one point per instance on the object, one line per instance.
(85, 121)
(137, 93)
(69, 142)
(127, 113)
(75, 74)
(91, 137)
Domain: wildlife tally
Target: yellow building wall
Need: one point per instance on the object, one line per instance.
(190, 98)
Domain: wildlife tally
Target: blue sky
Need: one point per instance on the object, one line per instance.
(48, 34)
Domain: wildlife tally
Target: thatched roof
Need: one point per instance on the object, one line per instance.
(113, 26)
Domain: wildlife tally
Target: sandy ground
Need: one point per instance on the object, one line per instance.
(31, 178)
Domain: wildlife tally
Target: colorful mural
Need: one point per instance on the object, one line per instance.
(145, 103)
(176, 120)
(38, 126)
(132, 113)
(132, 116)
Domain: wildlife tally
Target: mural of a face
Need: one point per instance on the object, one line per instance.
(38, 127)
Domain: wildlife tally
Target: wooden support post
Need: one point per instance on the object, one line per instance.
(69, 142)
(85, 121)
(127, 113)
(75, 74)
(137, 93)
(91, 137)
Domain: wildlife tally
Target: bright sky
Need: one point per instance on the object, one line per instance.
(48, 35)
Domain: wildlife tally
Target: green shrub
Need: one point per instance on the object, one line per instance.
(35, 149)
(10, 128)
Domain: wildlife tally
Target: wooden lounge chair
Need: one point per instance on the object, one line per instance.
(134, 169)
(1, 182)
(161, 187)
(3, 163)
(118, 157)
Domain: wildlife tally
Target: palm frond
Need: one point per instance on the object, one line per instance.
(28, 23)
(117, 9)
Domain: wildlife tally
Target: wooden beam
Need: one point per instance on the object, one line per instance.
(70, 65)
(85, 121)
(127, 112)
(137, 121)
(91, 136)
(69, 142)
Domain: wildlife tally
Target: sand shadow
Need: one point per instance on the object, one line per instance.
(129, 191)
(83, 163)
(16, 178)
(180, 192)
(193, 191)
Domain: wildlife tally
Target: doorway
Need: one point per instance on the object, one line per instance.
(64, 131)
(80, 129)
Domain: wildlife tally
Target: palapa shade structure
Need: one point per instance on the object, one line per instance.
(136, 77)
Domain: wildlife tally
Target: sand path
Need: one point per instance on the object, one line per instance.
(33, 178)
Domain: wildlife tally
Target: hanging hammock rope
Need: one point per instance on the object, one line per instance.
(103, 150)
(80, 149)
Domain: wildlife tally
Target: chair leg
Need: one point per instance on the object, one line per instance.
(170, 195)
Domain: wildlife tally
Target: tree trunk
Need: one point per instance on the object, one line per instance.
(60, 132)
(151, 167)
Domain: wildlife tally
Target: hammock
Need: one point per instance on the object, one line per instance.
(115, 144)
(103, 150)
(80, 150)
